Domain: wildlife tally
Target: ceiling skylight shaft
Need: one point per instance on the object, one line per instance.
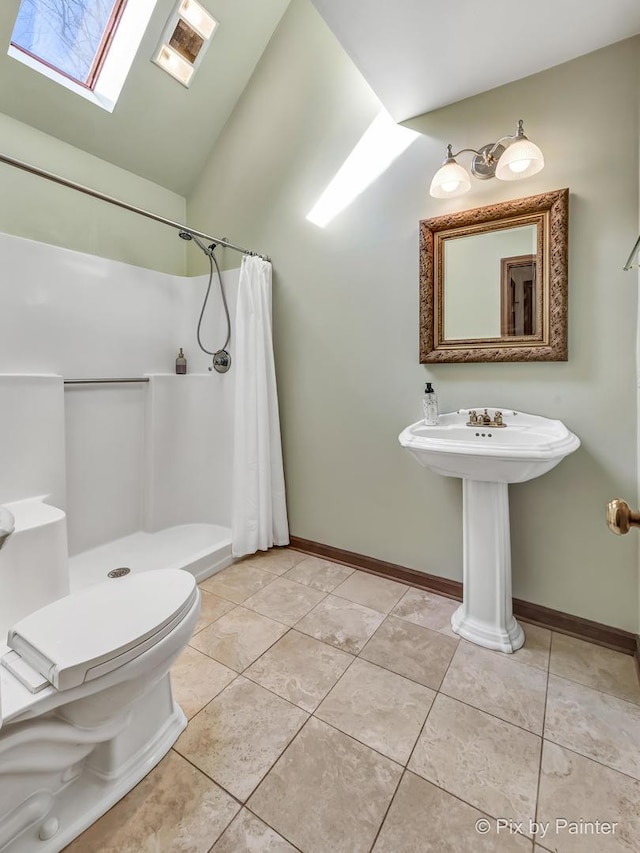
(381, 144)
(87, 46)
(68, 35)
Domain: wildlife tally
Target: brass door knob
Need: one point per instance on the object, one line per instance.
(620, 518)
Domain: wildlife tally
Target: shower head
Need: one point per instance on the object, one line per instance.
(187, 235)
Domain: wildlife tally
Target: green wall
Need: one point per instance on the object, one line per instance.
(40, 210)
(158, 128)
(346, 311)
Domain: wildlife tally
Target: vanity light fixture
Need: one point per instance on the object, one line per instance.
(511, 158)
(185, 39)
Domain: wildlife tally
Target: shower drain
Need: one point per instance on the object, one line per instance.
(118, 573)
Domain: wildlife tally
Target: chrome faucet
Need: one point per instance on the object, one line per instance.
(485, 419)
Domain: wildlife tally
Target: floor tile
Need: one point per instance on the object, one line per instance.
(576, 789)
(328, 793)
(285, 601)
(379, 708)
(324, 784)
(174, 808)
(537, 647)
(239, 735)
(486, 762)
(497, 684)
(238, 638)
(595, 724)
(341, 623)
(597, 667)
(427, 609)
(535, 651)
(425, 819)
(212, 607)
(371, 591)
(248, 834)
(410, 650)
(300, 669)
(275, 560)
(319, 574)
(237, 582)
(196, 679)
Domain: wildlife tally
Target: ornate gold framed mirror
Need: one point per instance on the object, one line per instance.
(493, 282)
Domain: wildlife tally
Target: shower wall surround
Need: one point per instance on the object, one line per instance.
(79, 315)
(191, 432)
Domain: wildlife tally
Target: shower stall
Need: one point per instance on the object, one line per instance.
(95, 424)
(145, 468)
(152, 490)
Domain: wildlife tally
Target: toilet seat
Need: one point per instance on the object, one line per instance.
(90, 633)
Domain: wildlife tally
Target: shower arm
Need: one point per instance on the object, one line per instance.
(57, 179)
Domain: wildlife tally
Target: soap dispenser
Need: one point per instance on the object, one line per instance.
(181, 362)
(430, 405)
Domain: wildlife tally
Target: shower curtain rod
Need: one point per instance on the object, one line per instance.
(50, 176)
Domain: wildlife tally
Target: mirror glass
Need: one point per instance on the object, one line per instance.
(493, 282)
(490, 278)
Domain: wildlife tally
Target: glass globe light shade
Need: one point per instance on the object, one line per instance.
(520, 160)
(450, 180)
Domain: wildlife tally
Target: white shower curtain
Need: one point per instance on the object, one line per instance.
(259, 512)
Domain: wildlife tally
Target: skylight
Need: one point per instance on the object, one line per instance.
(87, 46)
(380, 145)
(71, 36)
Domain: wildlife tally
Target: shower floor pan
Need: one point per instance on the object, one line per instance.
(202, 549)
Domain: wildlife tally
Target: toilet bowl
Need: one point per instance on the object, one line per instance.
(86, 708)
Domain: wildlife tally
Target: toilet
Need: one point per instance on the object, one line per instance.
(86, 708)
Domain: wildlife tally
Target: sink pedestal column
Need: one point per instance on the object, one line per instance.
(485, 616)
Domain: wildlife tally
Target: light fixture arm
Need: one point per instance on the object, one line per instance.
(452, 156)
(487, 152)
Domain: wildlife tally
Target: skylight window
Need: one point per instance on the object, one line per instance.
(87, 46)
(70, 36)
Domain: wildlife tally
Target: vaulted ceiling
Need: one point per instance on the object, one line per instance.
(418, 55)
(159, 129)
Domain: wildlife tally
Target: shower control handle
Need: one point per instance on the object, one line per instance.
(620, 518)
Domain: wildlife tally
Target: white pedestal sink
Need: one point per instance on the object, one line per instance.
(487, 459)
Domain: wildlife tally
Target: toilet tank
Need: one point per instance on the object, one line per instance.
(33, 561)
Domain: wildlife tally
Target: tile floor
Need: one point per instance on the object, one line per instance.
(331, 711)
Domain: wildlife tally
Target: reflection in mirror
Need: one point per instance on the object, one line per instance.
(493, 282)
(476, 295)
(518, 296)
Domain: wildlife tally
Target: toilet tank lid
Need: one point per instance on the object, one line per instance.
(74, 638)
